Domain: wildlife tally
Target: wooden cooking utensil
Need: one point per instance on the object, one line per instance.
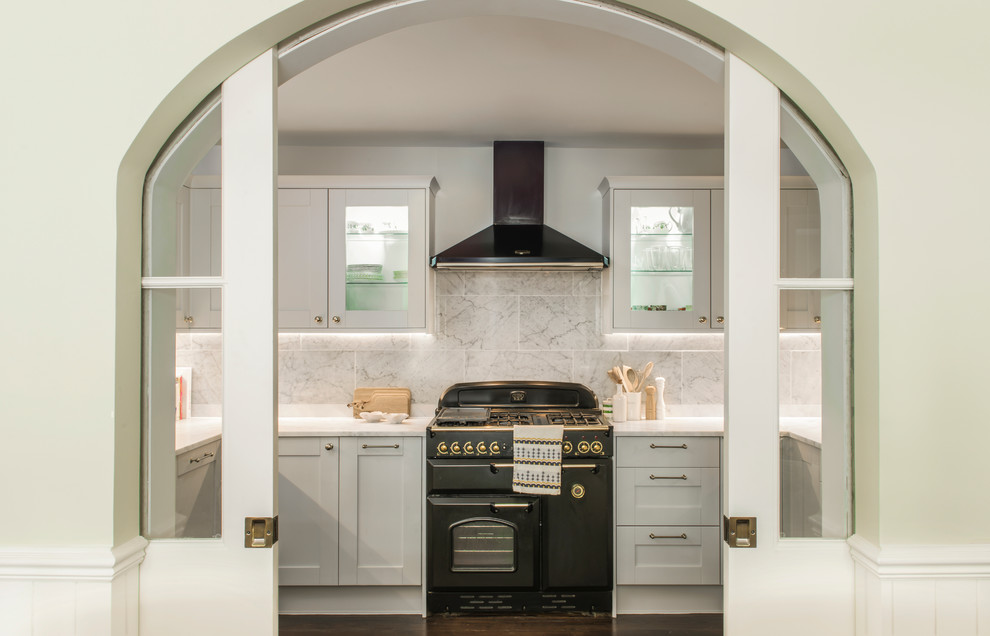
(644, 375)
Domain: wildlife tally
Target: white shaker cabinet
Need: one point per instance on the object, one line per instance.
(668, 511)
(199, 255)
(302, 258)
(197, 492)
(657, 237)
(350, 511)
(667, 273)
(381, 503)
(308, 507)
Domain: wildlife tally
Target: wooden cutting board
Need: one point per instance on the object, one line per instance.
(384, 399)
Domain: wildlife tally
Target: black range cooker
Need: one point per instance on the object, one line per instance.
(492, 550)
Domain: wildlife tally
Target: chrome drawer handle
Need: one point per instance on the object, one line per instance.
(656, 446)
(199, 459)
(379, 445)
(662, 477)
(668, 536)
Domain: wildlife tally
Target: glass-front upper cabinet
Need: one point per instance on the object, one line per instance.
(379, 247)
(658, 241)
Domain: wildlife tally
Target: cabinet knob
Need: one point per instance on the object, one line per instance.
(318, 320)
(703, 319)
(720, 319)
(336, 319)
(188, 319)
(818, 320)
(329, 447)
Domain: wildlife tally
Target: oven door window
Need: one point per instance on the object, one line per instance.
(483, 545)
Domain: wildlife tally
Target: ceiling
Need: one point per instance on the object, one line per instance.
(468, 81)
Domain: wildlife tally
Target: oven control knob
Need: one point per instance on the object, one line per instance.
(568, 447)
(583, 446)
(442, 448)
(494, 448)
(455, 448)
(482, 449)
(596, 447)
(468, 448)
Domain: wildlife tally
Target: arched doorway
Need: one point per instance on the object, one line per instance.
(326, 39)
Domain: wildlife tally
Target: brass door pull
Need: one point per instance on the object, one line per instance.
(668, 536)
(663, 477)
(662, 446)
(379, 445)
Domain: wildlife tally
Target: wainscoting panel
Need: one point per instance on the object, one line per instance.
(917, 590)
(85, 591)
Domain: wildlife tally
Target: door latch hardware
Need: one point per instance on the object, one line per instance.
(740, 532)
(260, 532)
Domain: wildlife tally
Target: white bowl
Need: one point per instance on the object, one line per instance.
(395, 418)
(372, 416)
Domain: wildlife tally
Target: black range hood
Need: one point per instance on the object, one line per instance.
(518, 239)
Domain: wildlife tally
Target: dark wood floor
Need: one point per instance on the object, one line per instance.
(539, 625)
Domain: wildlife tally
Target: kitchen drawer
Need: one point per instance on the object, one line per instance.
(303, 446)
(661, 496)
(197, 458)
(667, 451)
(667, 555)
(382, 445)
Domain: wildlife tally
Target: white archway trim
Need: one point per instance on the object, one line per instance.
(323, 40)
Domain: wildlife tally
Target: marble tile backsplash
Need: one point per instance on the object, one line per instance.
(500, 325)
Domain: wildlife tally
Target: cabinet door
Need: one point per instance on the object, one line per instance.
(718, 260)
(200, 238)
(667, 496)
(660, 267)
(381, 503)
(800, 257)
(378, 259)
(307, 510)
(302, 259)
(197, 492)
(667, 555)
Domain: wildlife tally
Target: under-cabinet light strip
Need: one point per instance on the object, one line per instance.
(815, 283)
(181, 282)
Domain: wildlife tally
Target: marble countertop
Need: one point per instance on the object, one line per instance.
(682, 426)
(196, 431)
(193, 432)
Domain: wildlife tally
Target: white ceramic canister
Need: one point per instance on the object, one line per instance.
(619, 407)
(634, 406)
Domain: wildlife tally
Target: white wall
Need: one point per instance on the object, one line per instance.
(898, 88)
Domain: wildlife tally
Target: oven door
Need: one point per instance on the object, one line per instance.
(483, 543)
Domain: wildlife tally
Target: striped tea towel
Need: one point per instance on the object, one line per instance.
(536, 459)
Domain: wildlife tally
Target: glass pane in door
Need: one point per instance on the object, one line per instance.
(662, 258)
(181, 422)
(484, 545)
(815, 419)
(377, 256)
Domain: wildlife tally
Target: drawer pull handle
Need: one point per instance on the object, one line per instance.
(663, 477)
(668, 536)
(199, 459)
(661, 446)
(379, 445)
(495, 467)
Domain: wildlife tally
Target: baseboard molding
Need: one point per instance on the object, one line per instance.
(936, 590)
(367, 599)
(70, 590)
(73, 563)
(922, 561)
